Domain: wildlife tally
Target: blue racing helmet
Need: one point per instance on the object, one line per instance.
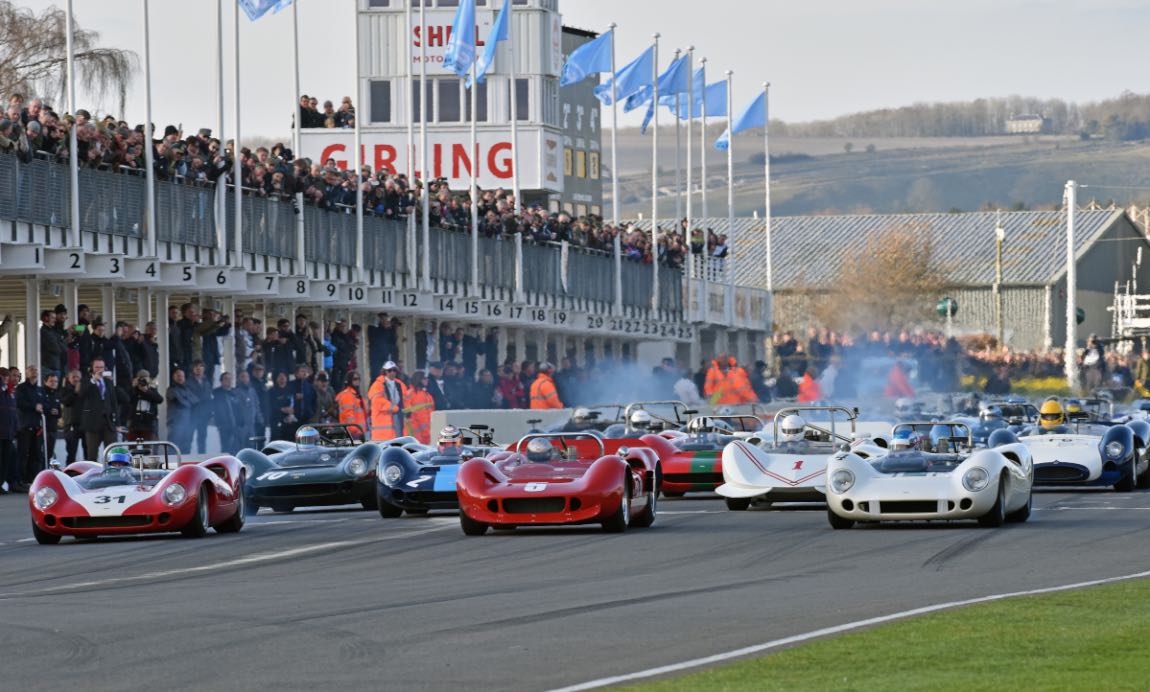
(119, 457)
(306, 438)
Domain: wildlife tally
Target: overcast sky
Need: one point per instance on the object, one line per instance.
(823, 57)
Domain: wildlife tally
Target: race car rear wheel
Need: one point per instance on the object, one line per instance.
(43, 537)
(1128, 482)
(997, 514)
(470, 526)
(1022, 513)
(738, 504)
(647, 517)
(236, 522)
(617, 522)
(838, 522)
(388, 510)
(198, 526)
(1143, 480)
(369, 502)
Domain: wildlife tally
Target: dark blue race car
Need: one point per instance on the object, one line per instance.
(416, 478)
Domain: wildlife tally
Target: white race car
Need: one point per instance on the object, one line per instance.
(1091, 453)
(788, 467)
(931, 472)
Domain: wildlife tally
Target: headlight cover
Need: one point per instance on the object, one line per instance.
(1114, 450)
(975, 479)
(45, 498)
(842, 480)
(175, 493)
(357, 467)
(393, 474)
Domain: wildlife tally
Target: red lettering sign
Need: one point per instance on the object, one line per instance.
(498, 160)
(439, 36)
(500, 167)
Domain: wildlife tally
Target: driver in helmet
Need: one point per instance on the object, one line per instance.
(1051, 418)
(539, 450)
(791, 431)
(581, 420)
(306, 439)
(903, 406)
(119, 462)
(450, 441)
(701, 426)
(906, 439)
(640, 422)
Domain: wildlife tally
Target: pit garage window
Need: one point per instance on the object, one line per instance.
(381, 101)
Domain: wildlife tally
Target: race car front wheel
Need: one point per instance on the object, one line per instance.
(470, 526)
(198, 526)
(43, 537)
(838, 522)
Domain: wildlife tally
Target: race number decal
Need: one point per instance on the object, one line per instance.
(535, 487)
(415, 483)
(272, 475)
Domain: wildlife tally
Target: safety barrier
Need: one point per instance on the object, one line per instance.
(113, 202)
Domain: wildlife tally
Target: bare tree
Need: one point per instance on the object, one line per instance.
(33, 56)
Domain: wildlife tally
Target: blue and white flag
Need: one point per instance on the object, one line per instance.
(672, 83)
(460, 53)
(631, 78)
(498, 33)
(590, 58)
(255, 9)
(715, 97)
(755, 115)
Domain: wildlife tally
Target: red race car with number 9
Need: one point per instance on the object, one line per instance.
(551, 479)
(136, 490)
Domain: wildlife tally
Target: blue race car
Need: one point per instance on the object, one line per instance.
(417, 478)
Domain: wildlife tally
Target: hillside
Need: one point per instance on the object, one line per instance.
(815, 175)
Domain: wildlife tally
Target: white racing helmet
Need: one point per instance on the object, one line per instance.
(701, 425)
(791, 429)
(640, 420)
(581, 415)
(539, 450)
(903, 406)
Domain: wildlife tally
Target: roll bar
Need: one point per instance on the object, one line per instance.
(139, 449)
(678, 406)
(554, 436)
(851, 413)
(741, 419)
(952, 424)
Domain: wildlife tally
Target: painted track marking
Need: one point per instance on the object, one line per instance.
(836, 629)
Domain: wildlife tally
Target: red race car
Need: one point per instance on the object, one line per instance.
(135, 490)
(559, 479)
(694, 460)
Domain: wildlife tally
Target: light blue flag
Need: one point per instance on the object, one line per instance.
(498, 33)
(673, 82)
(631, 78)
(460, 51)
(755, 115)
(590, 58)
(715, 96)
(255, 9)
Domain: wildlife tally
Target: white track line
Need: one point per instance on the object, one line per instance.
(237, 562)
(837, 629)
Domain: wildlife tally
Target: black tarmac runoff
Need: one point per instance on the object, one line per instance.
(330, 599)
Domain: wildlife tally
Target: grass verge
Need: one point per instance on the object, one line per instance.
(1091, 639)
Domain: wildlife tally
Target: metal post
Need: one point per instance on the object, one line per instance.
(1071, 348)
(164, 376)
(614, 137)
(237, 168)
(73, 161)
(426, 256)
(514, 115)
(730, 169)
(300, 233)
(678, 148)
(767, 180)
(221, 197)
(655, 181)
(999, 237)
(474, 185)
(409, 99)
(618, 275)
(150, 229)
(690, 146)
(359, 157)
(31, 325)
(519, 288)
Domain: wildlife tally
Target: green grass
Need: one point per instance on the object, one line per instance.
(1090, 639)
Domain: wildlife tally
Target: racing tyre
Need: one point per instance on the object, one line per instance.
(1143, 481)
(668, 493)
(838, 522)
(504, 527)
(647, 517)
(198, 526)
(283, 509)
(1022, 513)
(250, 508)
(370, 502)
(1128, 482)
(997, 514)
(738, 504)
(43, 537)
(416, 512)
(236, 522)
(388, 510)
(617, 522)
(470, 526)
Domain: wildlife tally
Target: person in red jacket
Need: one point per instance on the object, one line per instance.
(510, 388)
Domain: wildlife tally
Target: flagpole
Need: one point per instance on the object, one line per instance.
(150, 173)
(237, 168)
(767, 178)
(221, 199)
(517, 205)
(730, 173)
(615, 182)
(474, 188)
(655, 181)
(426, 192)
(358, 177)
(690, 145)
(678, 150)
(703, 154)
(410, 101)
(73, 155)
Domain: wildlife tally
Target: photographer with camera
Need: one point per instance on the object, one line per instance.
(143, 408)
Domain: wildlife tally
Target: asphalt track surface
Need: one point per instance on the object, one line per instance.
(342, 599)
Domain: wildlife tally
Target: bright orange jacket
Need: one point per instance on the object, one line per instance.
(383, 413)
(543, 394)
(809, 390)
(420, 405)
(352, 409)
(897, 384)
(739, 384)
(714, 380)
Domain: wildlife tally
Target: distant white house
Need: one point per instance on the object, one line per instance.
(1026, 124)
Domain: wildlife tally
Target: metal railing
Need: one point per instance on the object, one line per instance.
(113, 202)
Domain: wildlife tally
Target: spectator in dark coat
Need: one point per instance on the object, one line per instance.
(118, 359)
(70, 420)
(52, 411)
(99, 402)
(303, 394)
(181, 403)
(281, 405)
(143, 408)
(249, 410)
(53, 350)
(437, 387)
(9, 422)
(93, 345)
(344, 347)
(382, 342)
(229, 421)
(210, 341)
(201, 387)
(30, 407)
